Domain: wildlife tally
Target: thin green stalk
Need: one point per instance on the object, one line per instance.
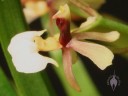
(11, 23)
(78, 11)
(111, 25)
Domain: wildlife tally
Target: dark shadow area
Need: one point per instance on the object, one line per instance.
(117, 8)
(102, 78)
(3, 64)
(58, 87)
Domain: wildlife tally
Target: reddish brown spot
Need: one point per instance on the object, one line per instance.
(49, 2)
(51, 6)
(64, 26)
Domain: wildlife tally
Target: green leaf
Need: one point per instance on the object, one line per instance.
(11, 23)
(5, 87)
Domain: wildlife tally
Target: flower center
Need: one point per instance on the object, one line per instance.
(64, 26)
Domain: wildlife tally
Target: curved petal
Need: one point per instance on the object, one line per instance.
(107, 37)
(64, 12)
(89, 21)
(67, 61)
(25, 54)
(33, 10)
(31, 63)
(99, 54)
(48, 44)
(24, 42)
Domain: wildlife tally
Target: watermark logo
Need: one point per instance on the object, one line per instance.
(113, 81)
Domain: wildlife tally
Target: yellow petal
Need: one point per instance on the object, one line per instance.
(99, 54)
(64, 12)
(107, 37)
(48, 44)
(33, 10)
(89, 21)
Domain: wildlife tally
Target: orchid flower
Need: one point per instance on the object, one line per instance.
(34, 9)
(25, 52)
(100, 55)
(24, 47)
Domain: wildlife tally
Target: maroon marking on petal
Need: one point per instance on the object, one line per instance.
(64, 26)
(50, 4)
